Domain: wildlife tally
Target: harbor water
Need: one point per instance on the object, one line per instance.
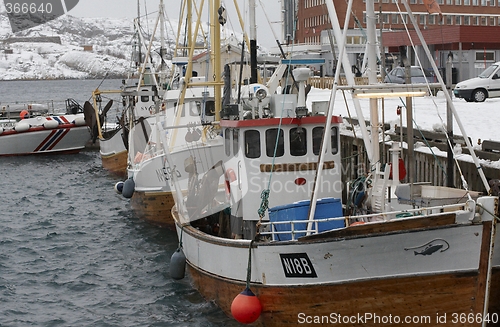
(71, 251)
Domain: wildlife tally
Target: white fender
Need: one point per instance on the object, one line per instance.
(50, 124)
(21, 127)
(79, 121)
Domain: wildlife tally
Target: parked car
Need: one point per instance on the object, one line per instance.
(397, 75)
(478, 89)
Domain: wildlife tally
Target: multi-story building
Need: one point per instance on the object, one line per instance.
(468, 29)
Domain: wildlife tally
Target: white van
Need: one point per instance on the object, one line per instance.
(478, 89)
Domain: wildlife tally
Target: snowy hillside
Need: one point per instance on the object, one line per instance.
(112, 42)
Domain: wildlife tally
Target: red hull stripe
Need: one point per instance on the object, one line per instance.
(46, 140)
(58, 139)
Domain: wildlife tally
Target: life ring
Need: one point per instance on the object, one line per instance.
(24, 114)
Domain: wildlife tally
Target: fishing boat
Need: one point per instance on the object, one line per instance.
(38, 133)
(266, 236)
(191, 103)
(137, 103)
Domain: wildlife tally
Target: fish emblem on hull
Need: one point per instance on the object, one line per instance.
(430, 247)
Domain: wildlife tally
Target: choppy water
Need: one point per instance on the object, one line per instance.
(72, 254)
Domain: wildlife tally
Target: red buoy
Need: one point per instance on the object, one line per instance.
(246, 307)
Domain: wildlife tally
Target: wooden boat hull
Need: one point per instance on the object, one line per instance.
(116, 163)
(114, 154)
(154, 207)
(440, 280)
(366, 303)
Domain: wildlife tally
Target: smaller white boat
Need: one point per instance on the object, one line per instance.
(47, 134)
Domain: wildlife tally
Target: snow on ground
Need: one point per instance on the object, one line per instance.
(480, 120)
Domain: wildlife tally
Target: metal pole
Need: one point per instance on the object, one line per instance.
(448, 98)
(409, 126)
(449, 126)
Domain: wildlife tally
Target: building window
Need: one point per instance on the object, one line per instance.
(449, 2)
(485, 56)
(466, 2)
(432, 19)
(458, 2)
(394, 18)
(475, 2)
(484, 22)
(422, 19)
(492, 21)
(458, 20)
(252, 144)
(449, 20)
(466, 20)
(385, 18)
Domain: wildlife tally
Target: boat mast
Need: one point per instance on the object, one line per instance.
(349, 75)
(328, 129)
(448, 97)
(139, 54)
(216, 57)
(162, 47)
(372, 77)
(253, 43)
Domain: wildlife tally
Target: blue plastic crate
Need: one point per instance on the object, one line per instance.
(325, 208)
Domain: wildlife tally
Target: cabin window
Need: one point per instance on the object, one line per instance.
(227, 141)
(274, 140)
(298, 142)
(252, 144)
(317, 135)
(145, 98)
(236, 141)
(195, 108)
(210, 108)
(335, 140)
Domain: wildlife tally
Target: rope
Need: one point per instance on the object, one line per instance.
(180, 239)
(264, 204)
(249, 268)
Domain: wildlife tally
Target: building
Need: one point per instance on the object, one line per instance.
(467, 29)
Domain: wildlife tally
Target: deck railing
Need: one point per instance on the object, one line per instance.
(296, 227)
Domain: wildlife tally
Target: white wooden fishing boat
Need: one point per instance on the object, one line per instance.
(268, 218)
(189, 104)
